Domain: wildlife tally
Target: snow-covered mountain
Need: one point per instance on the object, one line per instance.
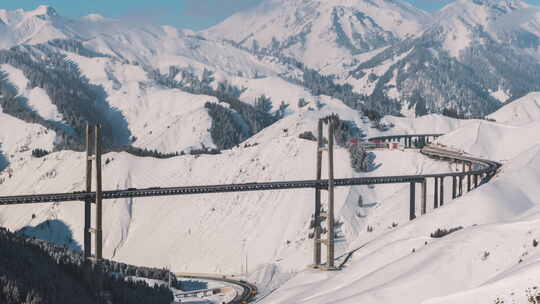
(325, 35)
(465, 22)
(474, 57)
(32, 27)
(159, 46)
(467, 59)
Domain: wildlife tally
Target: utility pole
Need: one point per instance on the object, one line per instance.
(99, 202)
(88, 202)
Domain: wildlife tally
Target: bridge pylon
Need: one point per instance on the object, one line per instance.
(317, 214)
(96, 156)
(88, 202)
(331, 121)
(99, 195)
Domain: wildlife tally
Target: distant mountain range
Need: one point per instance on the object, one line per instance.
(470, 57)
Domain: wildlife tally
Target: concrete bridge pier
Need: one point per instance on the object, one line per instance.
(468, 182)
(475, 179)
(441, 196)
(436, 194)
(454, 187)
(460, 186)
(424, 197)
(412, 205)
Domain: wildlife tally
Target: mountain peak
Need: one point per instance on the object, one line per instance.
(44, 10)
(471, 13)
(322, 32)
(501, 6)
(94, 17)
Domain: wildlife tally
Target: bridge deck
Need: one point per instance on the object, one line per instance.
(486, 166)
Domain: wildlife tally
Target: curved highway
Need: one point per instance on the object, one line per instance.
(249, 291)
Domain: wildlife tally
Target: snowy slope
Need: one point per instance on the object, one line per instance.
(463, 19)
(165, 46)
(520, 112)
(168, 120)
(493, 256)
(27, 136)
(277, 89)
(37, 98)
(433, 123)
(17, 135)
(493, 140)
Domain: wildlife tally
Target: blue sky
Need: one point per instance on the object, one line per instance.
(194, 14)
